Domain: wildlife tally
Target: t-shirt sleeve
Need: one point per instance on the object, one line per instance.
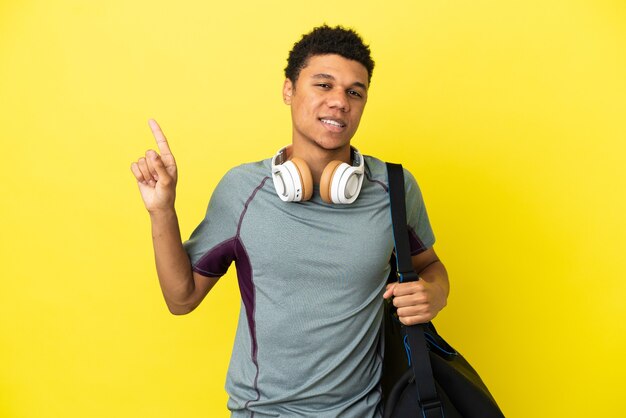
(212, 245)
(421, 235)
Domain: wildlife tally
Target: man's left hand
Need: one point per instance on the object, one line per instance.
(416, 302)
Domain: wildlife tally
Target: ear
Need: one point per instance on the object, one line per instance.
(287, 91)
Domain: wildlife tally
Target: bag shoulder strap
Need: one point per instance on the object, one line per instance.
(414, 338)
(395, 175)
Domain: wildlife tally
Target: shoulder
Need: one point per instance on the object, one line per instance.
(242, 180)
(376, 171)
(247, 171)
(244, 175)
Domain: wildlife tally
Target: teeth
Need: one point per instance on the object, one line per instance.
(332, 122)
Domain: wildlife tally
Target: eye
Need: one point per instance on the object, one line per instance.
(323, 85)
(354, 93)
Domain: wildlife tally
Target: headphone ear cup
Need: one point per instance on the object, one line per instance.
(326, 181)
(306, 179)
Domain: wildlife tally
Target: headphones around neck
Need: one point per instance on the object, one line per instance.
(340, 182)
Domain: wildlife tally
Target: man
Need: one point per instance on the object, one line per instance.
(311, 247)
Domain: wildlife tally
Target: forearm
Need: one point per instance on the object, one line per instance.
(436, 274)
(172, 263)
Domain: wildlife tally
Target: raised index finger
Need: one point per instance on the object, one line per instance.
(164, 148)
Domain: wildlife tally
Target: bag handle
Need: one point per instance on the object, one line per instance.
(414, 338)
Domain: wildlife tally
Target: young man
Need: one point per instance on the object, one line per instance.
(310, 234)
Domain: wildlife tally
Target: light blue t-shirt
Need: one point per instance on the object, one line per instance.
(311, 277)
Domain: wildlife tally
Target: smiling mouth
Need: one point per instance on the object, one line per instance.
(332, 122)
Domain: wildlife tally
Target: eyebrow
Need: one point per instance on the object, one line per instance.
(324, 76)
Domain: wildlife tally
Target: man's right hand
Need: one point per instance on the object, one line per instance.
(156, 174)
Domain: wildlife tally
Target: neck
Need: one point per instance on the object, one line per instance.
(317, 158)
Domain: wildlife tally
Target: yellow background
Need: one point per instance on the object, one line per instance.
(509, 113)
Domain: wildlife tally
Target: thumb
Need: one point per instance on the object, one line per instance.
(389, 291)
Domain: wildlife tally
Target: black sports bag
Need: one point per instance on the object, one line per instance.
(423, 376)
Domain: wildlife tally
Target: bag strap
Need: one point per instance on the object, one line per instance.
(414, 338)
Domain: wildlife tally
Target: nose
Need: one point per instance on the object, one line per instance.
(338, 100)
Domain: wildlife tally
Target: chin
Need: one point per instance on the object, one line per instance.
(332, 144)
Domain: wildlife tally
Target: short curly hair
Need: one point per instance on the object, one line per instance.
(325, 40)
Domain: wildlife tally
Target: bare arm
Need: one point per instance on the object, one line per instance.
(419, 302)
(182, 288)
(156, 176)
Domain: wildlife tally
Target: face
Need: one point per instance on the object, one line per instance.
(327, 101)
